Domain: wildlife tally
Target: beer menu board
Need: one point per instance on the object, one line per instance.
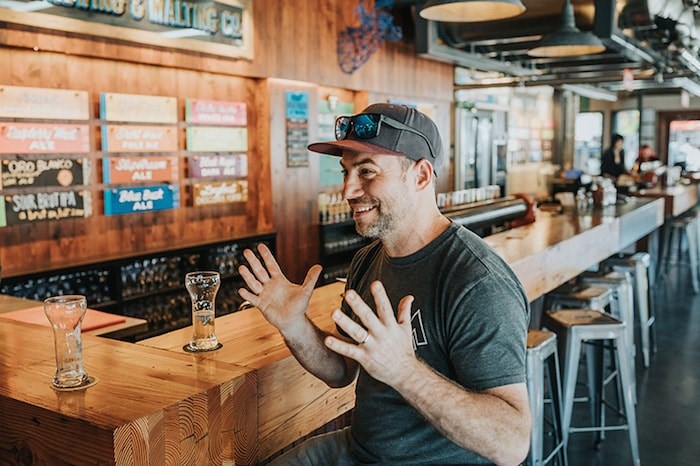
(136, 169)
(39, 103)
(222, 192)
(33, 207)
(43, 138)
(138, 108)
(217, 139)
(131, 138)
(215, 112)
(141, 199)
(212, 166)
(23, 171)
(297, 112)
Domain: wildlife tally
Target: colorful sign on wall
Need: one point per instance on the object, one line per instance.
(141, 199)
(3, 222)
(56, 205)
(24, 172)
(135, 169)
(138, 108)
(215, 112)
(223, 192)
(130, 138)
(46, 138)
(40, 103)
(211, 166)
(297, 112)
(217, 139)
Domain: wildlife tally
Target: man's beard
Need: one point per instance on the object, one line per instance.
(378, 229)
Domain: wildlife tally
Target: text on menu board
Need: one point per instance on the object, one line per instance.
(217, 139)
(223, 192)
(129, 138)
(141, 199)
(211, 166)
(297, 112)
(32, 138)
(43, 172)
(36, 102)
(131, 169)
(33, 207)
(215, 112)
(134, 108)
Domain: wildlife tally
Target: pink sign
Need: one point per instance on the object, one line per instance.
(43, 138)
(215, 112)
(131, 138)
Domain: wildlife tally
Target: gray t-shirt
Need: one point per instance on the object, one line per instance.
(469, 319)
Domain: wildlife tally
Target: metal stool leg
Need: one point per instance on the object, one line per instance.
(556, 395)
(573, 350)
(692, 237)
(630, 414)
(535, 388)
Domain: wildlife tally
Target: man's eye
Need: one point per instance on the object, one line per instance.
(366, 172)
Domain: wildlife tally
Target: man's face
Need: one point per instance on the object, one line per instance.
(377, 189)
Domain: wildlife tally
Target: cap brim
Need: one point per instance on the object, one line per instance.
(349, 145)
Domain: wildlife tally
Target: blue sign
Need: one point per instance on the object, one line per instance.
(141, 199)
(297, 105)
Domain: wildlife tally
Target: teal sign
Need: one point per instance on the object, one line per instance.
(141, 199)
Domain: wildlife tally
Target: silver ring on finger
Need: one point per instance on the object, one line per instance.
(365, 340)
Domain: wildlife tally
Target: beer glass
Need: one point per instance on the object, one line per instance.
(202, 287)
(65, 313)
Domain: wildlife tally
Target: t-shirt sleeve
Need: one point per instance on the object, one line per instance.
(488, 334)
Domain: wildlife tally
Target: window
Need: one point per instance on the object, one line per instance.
(588, 137)
(684, 144)
(626, 124)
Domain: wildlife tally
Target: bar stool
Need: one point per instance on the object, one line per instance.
(541, 355)
(621, 307)
(574, 327)
(578, 296)
(682, 229)
(637, 265)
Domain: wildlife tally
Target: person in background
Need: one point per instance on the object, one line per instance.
(433, 324)
(613, 160)
(646, 154)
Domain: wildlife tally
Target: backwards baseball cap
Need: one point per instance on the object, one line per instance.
(387, 129)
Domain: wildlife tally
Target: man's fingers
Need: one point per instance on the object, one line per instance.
(248, 296)
(270, 262)
(349, 326)
(250, 280)
(384, 309)
(312, 277)
(349, 350)
(255, 265)
(404, 314)
(363, 311)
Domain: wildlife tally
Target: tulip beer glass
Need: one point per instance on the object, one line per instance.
(202, 287)
(66, 314)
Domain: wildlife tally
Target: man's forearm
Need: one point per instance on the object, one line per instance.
(306, 343)
(492, 426)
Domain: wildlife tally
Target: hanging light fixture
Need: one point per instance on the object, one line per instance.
(568, 40)
(470, 11)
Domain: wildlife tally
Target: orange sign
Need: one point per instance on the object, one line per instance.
(39, 138)
(129, 138)
(134, 169)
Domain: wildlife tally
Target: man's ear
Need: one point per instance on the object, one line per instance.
(424, 174)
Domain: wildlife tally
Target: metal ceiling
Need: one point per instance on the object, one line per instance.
(658, 40)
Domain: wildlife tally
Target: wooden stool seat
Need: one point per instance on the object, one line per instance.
(536, 337)
(570, 317)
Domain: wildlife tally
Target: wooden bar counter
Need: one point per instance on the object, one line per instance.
(678, 199)
(155, 404)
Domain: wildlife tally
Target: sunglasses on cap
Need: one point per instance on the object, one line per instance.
(368, 125)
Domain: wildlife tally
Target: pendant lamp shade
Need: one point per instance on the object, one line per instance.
(470, 11)
(568, 40)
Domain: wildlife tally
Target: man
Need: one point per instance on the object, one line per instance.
(433, 321)
(612, 162)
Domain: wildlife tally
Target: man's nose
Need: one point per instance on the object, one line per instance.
(352, 187)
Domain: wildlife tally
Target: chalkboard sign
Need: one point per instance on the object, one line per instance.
(212, 166)
(56, 205)
(223, 192)
(215, 112)
(297, 112)
(134, 169)
(34, 138)
(23, 172)
(131, 138)
(141, 199)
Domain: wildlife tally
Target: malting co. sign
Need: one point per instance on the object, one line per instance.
(221, 27)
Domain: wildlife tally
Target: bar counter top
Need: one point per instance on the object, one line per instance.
(156, 404)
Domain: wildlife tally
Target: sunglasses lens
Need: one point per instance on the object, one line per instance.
(342, 127)
(366, 125)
